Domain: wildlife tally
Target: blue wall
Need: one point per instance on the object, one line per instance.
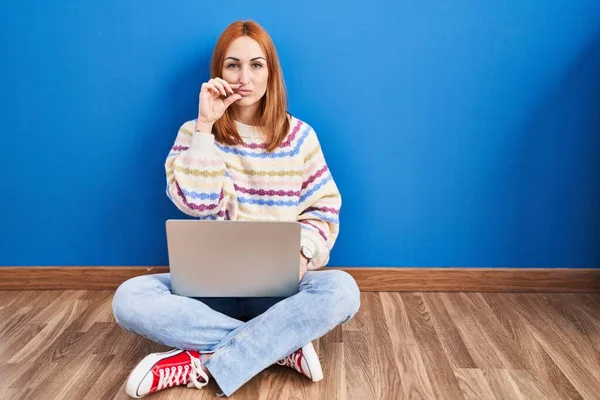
(460, 133)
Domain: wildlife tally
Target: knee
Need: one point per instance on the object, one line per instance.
(132, 294)
(343, 296)
(121, 303)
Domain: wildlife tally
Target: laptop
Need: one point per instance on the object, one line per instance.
(233, 258)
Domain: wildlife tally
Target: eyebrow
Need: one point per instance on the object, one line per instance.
(238, 60)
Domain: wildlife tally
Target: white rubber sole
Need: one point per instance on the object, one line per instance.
(312, 359)
(144, 367)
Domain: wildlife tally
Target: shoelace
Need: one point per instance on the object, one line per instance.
(292, 361)
(169, 377)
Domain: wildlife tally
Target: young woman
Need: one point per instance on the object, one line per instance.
(243, 158)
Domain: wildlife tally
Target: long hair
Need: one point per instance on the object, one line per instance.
(272, 112)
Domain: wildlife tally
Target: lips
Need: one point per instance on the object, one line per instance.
(244, 92)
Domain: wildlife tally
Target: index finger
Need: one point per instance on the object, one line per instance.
(231, 85)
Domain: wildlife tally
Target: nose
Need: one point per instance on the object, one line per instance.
(244, 76)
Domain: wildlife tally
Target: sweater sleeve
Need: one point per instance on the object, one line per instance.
(198, 182)
(320, 204)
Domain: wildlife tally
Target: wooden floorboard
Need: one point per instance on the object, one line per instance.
(410, 345)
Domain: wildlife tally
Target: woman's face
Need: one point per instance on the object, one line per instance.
(246, 64)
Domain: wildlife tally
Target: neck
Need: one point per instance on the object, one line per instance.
(246, 115)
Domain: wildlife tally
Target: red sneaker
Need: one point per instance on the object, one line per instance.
(159, 371)
(306, 361)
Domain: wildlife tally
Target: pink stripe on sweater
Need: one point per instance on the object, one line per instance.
(280, 183)
(316, 227)
(323, 209)
(286, 143)
(312, 167)
(208, 163)
(314, 177)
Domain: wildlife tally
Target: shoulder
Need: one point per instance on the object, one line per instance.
(183, 137)
(189, 125)
(187, 128)
(302, 132)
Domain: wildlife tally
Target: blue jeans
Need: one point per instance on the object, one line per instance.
(144, 305)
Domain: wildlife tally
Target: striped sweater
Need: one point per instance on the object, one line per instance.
(209, 180)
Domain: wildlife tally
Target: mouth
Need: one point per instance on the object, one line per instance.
(244, 92)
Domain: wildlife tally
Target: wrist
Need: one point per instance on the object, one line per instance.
(203, 126)
(307, 252)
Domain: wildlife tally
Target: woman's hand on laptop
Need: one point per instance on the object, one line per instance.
(303, 266)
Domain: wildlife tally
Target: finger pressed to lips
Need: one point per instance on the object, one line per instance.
(229, 86)
(222, 88)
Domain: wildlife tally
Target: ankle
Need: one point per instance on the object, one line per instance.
(205, 358)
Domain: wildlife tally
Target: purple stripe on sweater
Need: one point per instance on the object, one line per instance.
(323, 209)
(198, 207)
(317, 228)
(314, 177)
(262, 192)
(287, 142)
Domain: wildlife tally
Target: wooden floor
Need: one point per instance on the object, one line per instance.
(66, 345)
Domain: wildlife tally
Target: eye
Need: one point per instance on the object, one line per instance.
(257, 65)
(231, 66)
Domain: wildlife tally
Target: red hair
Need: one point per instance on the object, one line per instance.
(272, 111)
